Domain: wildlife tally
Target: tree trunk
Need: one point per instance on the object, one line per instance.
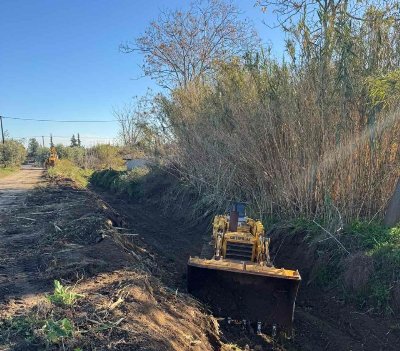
(392, 216)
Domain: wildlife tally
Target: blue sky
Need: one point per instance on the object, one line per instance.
(59, 59)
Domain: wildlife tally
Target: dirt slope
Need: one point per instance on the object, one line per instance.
(64, 233)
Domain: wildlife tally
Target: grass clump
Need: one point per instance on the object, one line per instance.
(371, 236)
(67, 169)
(63, 295)
(378, 247)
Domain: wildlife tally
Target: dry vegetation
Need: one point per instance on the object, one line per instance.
(108, 294)
(313, 136)
(259, 135)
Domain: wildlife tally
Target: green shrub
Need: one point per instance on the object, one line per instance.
(371, 235)
(121, 182)
(12, 153)
(42, 154)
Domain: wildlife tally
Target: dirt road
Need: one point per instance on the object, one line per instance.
(14, 188)
(15, 275)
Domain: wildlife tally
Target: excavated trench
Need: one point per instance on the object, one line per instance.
(322, 320)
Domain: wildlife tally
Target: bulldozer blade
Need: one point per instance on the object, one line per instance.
(250, 292)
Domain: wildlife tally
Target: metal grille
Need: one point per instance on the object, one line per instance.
(239, 251)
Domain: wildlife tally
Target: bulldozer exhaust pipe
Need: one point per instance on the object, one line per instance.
(233, 221)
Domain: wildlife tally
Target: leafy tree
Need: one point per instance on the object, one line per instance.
(76, 155)
(79, 140)
(61, 150)
(72, 153)
(42, 155)
(74, 142)
(182, 46)
(12, 153)
(33, 147)
(105, 156)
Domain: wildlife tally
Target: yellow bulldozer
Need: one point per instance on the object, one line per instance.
(239, 281)
(52, 159)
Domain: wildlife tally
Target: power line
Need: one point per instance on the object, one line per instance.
(60, 121)
(62, 137)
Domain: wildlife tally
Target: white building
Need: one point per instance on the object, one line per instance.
(132, 163)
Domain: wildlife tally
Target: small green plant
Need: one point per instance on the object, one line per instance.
(380, 295)
(63, 295)
(57, 330)
(21, 326)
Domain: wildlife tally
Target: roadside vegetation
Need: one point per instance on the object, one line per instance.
(65, 168)
(310, 142)
(128, 183)
(78, 162)
(362, 269)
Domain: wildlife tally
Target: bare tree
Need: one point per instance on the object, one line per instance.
(131, 122)
(137, 120)
(181, 46)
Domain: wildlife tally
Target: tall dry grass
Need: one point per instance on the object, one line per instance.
(270, 139)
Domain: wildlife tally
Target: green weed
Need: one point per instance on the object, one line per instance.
(383, 245)
(54, 331)
(19, 326)
(63, 295)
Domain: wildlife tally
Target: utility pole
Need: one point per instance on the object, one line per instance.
(2, 131)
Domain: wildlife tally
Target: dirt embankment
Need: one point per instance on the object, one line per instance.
(323, 320)
(60, 232)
